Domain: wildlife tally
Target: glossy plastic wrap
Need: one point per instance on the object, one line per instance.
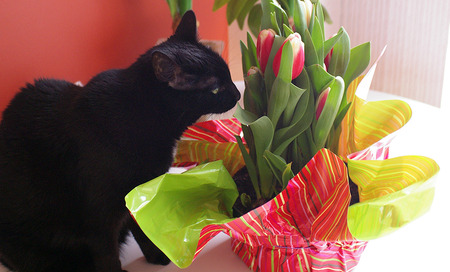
(172, 209)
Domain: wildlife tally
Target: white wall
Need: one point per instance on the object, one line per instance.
(416, 35)
(415, 32)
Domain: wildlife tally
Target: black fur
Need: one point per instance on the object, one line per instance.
(69, 154)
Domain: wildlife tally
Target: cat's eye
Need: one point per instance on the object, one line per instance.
(215, 91)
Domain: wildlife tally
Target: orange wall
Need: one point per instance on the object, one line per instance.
(76, 39)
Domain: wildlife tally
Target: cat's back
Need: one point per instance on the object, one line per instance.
(37, 109)
(32, 125)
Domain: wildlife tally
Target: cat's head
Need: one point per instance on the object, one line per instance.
(195, 76)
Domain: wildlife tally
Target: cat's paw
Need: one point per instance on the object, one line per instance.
(158, 258)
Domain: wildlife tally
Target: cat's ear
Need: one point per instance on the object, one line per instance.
(187, 29)
(163, 67)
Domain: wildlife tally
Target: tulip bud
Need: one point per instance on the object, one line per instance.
(321, 102)
(255, 100)
(308, 6)
(253, 70)
(327, 59)
(263, 47)
(298, 50)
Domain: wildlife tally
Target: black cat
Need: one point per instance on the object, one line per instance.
(69, 154)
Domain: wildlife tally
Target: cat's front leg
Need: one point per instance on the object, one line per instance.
(151, 252)
(105, 253)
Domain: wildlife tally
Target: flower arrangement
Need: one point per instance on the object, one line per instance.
(302, 135)
(295, 94)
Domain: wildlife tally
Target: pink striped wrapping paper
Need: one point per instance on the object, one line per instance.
(304, 228)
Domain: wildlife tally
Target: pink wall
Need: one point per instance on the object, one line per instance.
(76, 39)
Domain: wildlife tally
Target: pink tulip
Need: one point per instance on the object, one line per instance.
(263, 46)
(298, 49)
(321, 102)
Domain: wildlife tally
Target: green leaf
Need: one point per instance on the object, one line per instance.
(248, 136)
(278, 100)
(294, 97)
(287, 175)
(320, 79)
(303, 81)
(173, 7)
(281, 15)
(269, 75)
(184, 6)
(234, 7)
(295, 156)
(274, 22)
(320, 15)
(283, 137)
(251, 167)
(288, 6)
(313, 147)
(287, 30)
(341, 114)
(245, 117)
(246, 59)
(254, 19)
(359, 60)
(310, 51)
(251, 49)
(219, 3)
(317, 39)
(276, 163)
(262, 130)
(286, 63)
(305, 150)
(328, 44)
(302, 105)
(284, 5)
(329, 112)
(299, 20)
(267, 9)
(248, 5)
(341, 56)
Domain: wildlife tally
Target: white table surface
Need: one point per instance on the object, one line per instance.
(422, 245)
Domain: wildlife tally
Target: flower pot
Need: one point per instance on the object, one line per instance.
(308, 226)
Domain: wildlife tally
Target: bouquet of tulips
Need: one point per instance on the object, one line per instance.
(301, 115)
(295, 93)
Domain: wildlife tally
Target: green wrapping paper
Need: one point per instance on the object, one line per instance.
(393, 192)
(175, 207)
